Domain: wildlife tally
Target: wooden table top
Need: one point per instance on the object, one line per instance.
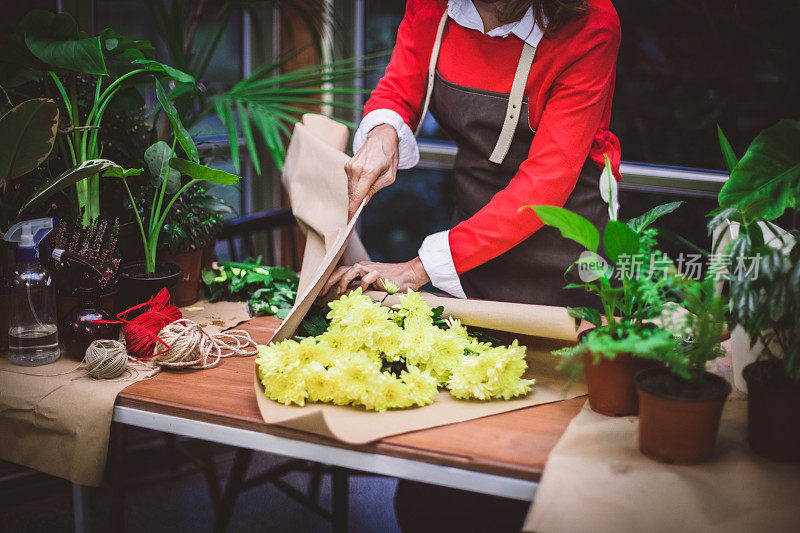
(513, 444)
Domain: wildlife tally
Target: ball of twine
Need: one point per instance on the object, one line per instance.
(105, 359)
(191, 347)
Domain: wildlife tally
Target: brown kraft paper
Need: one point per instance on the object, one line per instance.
(56, 419)
(596, 480)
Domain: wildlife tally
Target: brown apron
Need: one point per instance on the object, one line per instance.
(532, 271)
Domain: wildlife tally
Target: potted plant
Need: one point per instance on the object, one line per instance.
(96, 243)
(680, 404)
(171, 177)
(189, 231)
(27, 137)
(87, 74)
(632, 289)
(765, 297)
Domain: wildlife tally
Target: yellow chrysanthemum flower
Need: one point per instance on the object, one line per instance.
(413, 306)
(343, 365)
(388, 286)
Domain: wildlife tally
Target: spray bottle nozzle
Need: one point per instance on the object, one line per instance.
(28, 234)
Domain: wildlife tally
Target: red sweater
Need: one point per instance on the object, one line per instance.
(569, 90)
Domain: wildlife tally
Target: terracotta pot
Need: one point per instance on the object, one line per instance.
(208, 254)
(136, 287)
(773, 414)
(65, 304)
(188, 285)
(610, 383)
(678, 421)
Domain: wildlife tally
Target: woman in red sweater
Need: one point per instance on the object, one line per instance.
(524, 88)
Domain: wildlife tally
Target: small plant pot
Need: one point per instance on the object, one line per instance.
(208, 254)
(610, 383)
(773, 414)
(135, 286)
(678, 420)
(188, 285)
(65, 304)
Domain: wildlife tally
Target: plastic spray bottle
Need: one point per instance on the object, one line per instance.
(33, 331)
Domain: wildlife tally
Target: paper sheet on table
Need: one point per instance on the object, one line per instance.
(359, 426)
(55, 419)
(218, 316)
(596, 480)
(523, 319)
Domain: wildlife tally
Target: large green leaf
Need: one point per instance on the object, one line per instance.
(155, 66)
(571, 225)
(157, 157)
(17, 64)
(27, 134)
(619, 239)
(200, 172)
(115, 44)
(639, 223)
(769, 169)
(81, 55)
(65, 179)
(184, 139)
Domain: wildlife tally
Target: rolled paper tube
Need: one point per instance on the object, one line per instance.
(523, 319)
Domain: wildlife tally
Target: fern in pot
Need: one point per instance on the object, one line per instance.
(765, 298)
(680, 403)
(630, 283)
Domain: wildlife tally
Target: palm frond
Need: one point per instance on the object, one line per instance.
(266, 105)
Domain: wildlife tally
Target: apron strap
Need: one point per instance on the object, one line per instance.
(437, 45)
(514, 105)
(514, 98)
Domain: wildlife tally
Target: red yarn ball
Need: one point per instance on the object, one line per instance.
(141, 333)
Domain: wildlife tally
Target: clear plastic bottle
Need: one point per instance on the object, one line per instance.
(33, 330)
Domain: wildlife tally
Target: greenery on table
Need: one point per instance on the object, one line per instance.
(762, 186)
(268, 290)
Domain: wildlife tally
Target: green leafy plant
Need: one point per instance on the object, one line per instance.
(262, 107)
(766, 304)
(166, 171)
(194, 221)
(699, 322)
(268, 290)
(51, 49)
(768, 171)
(27, 137)
(632, 281)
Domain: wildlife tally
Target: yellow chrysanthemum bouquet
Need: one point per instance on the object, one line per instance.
(384, 358)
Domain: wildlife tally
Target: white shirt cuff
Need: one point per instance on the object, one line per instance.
(408, 151)
(438, 262)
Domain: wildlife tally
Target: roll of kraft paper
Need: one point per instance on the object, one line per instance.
(523, 319)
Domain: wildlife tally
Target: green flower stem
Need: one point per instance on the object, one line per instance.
(141, 226)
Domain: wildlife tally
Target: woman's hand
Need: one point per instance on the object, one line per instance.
(373, 167)
(410, 275)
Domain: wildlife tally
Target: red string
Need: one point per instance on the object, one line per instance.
(141, 332)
